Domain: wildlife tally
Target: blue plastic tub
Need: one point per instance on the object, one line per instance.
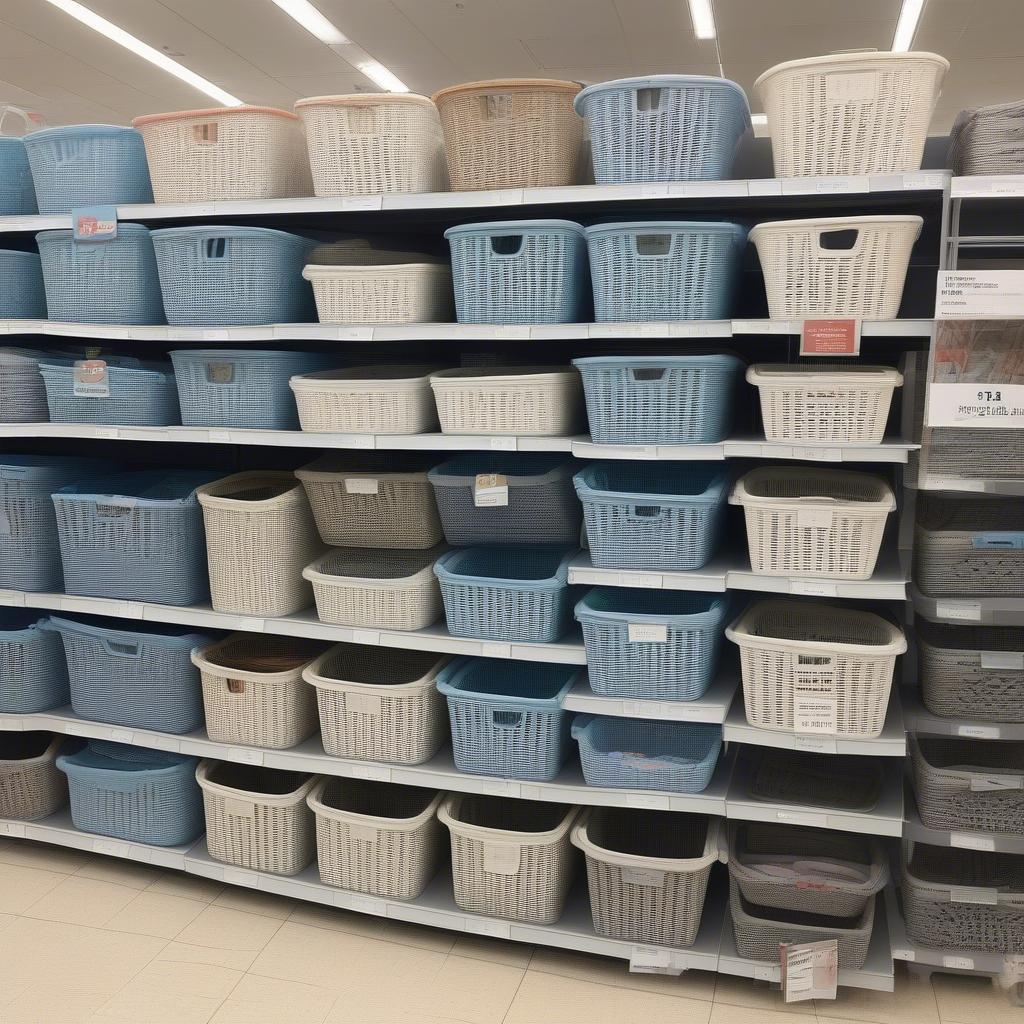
(17, 193)
(665, 270)
(32, 673)
(133, 793)
(663, 128)
(22, 296)
(651, 644)
(633, 753)
(507, 716)
(88, 165)
(140, 395)
(135, 536)
(144, 679)
(507, 593)
(652, 515)
(660, 399)
(224, 276)
(520, 272)
(112, 282)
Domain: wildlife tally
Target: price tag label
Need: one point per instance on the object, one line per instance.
(1012, 660)
(14, 829)
(220, 436)
(924, 181)
(800, 818)
(121, 735)
(979, 294)
(12, 599)
(813, 588)
(766, 972)
(809, 970)
(94, 223)
(818, 454)
(490, 490)
(245, 755)
(250, 625)
(361, 485)
(495, 929)
(819, 744)
(651, 802)
(370, 637)
(646, 580)
(237, 876)
(974, 894)
(502, 858)
(993, 406)
(218, 334)
(830, 338)
(106, 433)
(968, 841)
(503, 444)
(652, 960)
(361, 904)
(647, 632)
(368, 770)
(960, 963)
(959, 611)
(10, 723)
(980, 732)
(496, 650)
(91, 379)
(362, 203)
(815, 703)
(106, 847)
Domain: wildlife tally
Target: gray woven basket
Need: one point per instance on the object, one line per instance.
(31, 786)
(842, 782)
(988, 140)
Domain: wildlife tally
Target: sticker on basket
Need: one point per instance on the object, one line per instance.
(94, 223)
(1002, 659)
(815, 705)
(814, 518)
(963, 611)
(91, 379)
(992, 783)
(974, 894)
(643, 876)
(969, 841)
(648, 632)
(851, 87)
(235, 685)
(502, 858)
(809, 970)
(963, 963)
(364, 704)
(490, 490)
(361, 485)
(239, 808)
(364, 833)
(830, 338)
(220, 373)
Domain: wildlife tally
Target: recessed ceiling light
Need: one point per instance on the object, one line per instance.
(703, 19)
(906, 27)
(312, 21)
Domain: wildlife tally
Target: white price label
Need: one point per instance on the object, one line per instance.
(799, 818)
(362, 203)
(968, 841)
(766, 972)
(647, 632)
(370, 637)
(361, 485)
(502, 858)
(960, 611)
(651, 960)
(121, 735)
(818, 454)
(490, 490)
(819, 744)
(993, 406)
(651, 802)
(250, 625)
(813, 588)
(111, 849)
(368, 770)
(11, 599)
(980, 732)
(979, 294)
(810, 970)
(236, 876)
(924, 181)
(14, 829)
(495, 929)
(1013, 660)
(91, 379)
(496, 650)
(106, 433)
(220, 436)
(245, 755)
(961, 963)
(645, 580)
(974, 894)
(361, 904)
(11, 724)
(216, 334)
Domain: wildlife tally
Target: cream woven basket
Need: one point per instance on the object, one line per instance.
(392, 293)
(31, 785)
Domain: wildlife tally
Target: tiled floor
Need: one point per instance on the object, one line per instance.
(87, 938)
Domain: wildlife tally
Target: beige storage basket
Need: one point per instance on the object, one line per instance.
(850, 113)
(391, 293)
(366, 143)
(202, 156)
(511, 133)
(253, 691)
(379, 703)
(380, 838)
(260, 535)
(31, 786)
(532, 401)
(257, 817)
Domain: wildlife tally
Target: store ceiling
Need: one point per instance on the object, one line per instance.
(67, 72)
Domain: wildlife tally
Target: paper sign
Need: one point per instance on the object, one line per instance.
(651, 960)
(94, 223)
(1012, 660)
(490, 490)
(967, 841)
(961, 611)
(993, 406)
(810, 970)
(979, 294)
(815, 705)
(361, 485)
(501, 858)
(830, 338)
(91, 379)
(647, 632)
(974, 894)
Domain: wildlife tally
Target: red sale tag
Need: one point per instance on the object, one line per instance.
(830, 338)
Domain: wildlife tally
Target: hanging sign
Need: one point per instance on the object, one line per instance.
(979, 294)
(810, 970)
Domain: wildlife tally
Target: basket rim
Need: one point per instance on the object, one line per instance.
(339, 381)
(449, 808)
(711, 616)
(509, 84)
(478, 374)
(292, 799)
(199, 659)
(311, 675)
(332, 476)
(441, 475)
(555, 581)
(741, 494)
(447, 686)
(713, 850)
(649, 227)
(200, 231)
(663, 82)
(315, 574)
(326, 271)
(962, 772)
(315, 803)
(840, 60)
(364, 99)
(181, 115)
(209, 498)
(801, 374)
(740, 906)
(669, 362)
(49, 754)
(45, 134)
(713, 493)
(516, 227)
(834, 224)
(186, 641)
(1003, 897)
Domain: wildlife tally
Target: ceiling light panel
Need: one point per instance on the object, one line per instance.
(312, 21)
(906, 27)
(703, 19)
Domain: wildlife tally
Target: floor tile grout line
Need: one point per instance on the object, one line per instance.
(511, 1002)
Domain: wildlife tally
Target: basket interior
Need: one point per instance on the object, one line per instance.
(376, 563)
(668, 478)
(776, 915)
(954, 866)
(526, 680)
(957, 753)
(15, 619)
(507, 814)
(969, 638)
(23, 746)
(520, 466)
(969, 514)
(770, 838)
(377, 799)
(376, 666)
(839, 781)
(251, 778)
(644, 833)
(682, 742)
(125, 758)
(262, 653)
(154, 486)
(850, 487)
(790, 620)
(508, 563)
(252, 491)
(663, 603)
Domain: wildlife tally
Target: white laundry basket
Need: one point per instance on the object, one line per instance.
(808, 403)
(836, 266)
(814, 668)
(804, 521)
(851, 113)
(392, 293)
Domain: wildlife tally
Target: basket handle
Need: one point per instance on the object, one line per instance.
(30, 122)
(220, 373)
(648, 101)
(842, 252)
(506, 719)
(496, 106)
(646, 512)
(653, 245)
(214, 247)
(656, 376)
(205, 133)
(117, 649)
(112, 783)
(999, 540)
(506, 250)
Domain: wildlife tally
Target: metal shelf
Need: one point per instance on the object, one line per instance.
(929, 482)
(987, 186)
(712, 707)
(985, 611)
(917, 718)
(711, 578)
(916, 831)
(921, 328)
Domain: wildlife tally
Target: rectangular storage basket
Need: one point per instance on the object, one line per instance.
(392, 293)
(24, 297)
(22, 392)
(17, 193)
(33, 674)
(839, 782)
(506, 718)
(988, 140)
(138, 396)
(31, 786)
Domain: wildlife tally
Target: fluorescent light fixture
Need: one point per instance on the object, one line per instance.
(379, 75)
(906, 27)
(703, 19)
(145, 51)
(312, 21)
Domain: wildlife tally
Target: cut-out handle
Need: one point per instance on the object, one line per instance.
(647, 511)
(214, 248)
(507, 719)
(652, 246)
(117, 649)
(507, 245)
(221, 374)
(841, 243)
(648, 101)
(205, 134)
(649, 374)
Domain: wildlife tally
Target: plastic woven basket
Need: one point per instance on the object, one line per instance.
(395, 293)
(142, 396)
(507, 719)
(33, 676)
(23, 296)
(17, 193)
(22, 393)
(652, 515)
(379, 703)
(31, 787)
(988, 140)
(842, 782)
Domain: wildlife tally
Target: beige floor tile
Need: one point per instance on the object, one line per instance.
(471, 991)
(912, 1002)
(121, 872)
(221, 928)
(263, 903)
(333, 919)
(494, 951)
(256, 1000)
(177, 883)
(85, 901)
(756, 995)
(51, 1004)
(31, 854)
(182, 952)
(6, 919)
(724, 1013)
(20, 886)
(154, 913)
(968, 1000)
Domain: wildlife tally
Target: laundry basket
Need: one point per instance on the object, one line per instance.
(647, 872)
(510, 858)
(839, 782)
(512, 594)
(973, 672)
(969, 545)
(797, 656)
(395, 293)
(964, 899)
(104, 391)
(664, 270)
(850, 113)
(17, 193)
(988, 140)
(134, 793)
(379, 703)
(531, 401)
(494, 498)
(221, 276)
(22, 393)
(393, 399)
(23, 296)
(33, 676)
(260, 535)
(836, 266)
(253, 691)
(633, 753)
(510, 133)
(141, 678)
(368, 509)
(663, 128)
(379, 838)
(243, 152)
(31, 787)
(805, 521)
(377, 588)
(507, 718)
(520, 272)
(135, 536)
(969, 785)
(87, 165)
(369, 142)
(108, 282)
(652, 515)
(257, 817)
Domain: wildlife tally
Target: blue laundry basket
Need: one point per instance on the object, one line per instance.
(142, 678)
(663, 128)
(660, 399)
(520, 272)
(141, 395)
(507, 593)
(29, 548)
(135, 536)
(112, 282)
(33, 677)
(134, 793)
(651, 644)
(17, 193)
(224, 276)
(22, 296)
(88, 165)
(665, 270)
(507, 716)
(225, 387)
(633, 753)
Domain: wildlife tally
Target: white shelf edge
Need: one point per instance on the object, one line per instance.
(712, 707)
(965, 611)
(930, 482)
(987, 186)
(915, 830)
(917, 718)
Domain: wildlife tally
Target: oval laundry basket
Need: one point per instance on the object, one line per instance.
(22, 393)
(102, 391)
(511, 133)
(393, 293)
(23, 296)
(379, 703)
(647, 872)
(31, 786)
(370, 142)
(987, 140)
(33, 675)
(17, 192)
(257, 817)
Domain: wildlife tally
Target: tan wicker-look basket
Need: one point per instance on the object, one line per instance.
(31, 786)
